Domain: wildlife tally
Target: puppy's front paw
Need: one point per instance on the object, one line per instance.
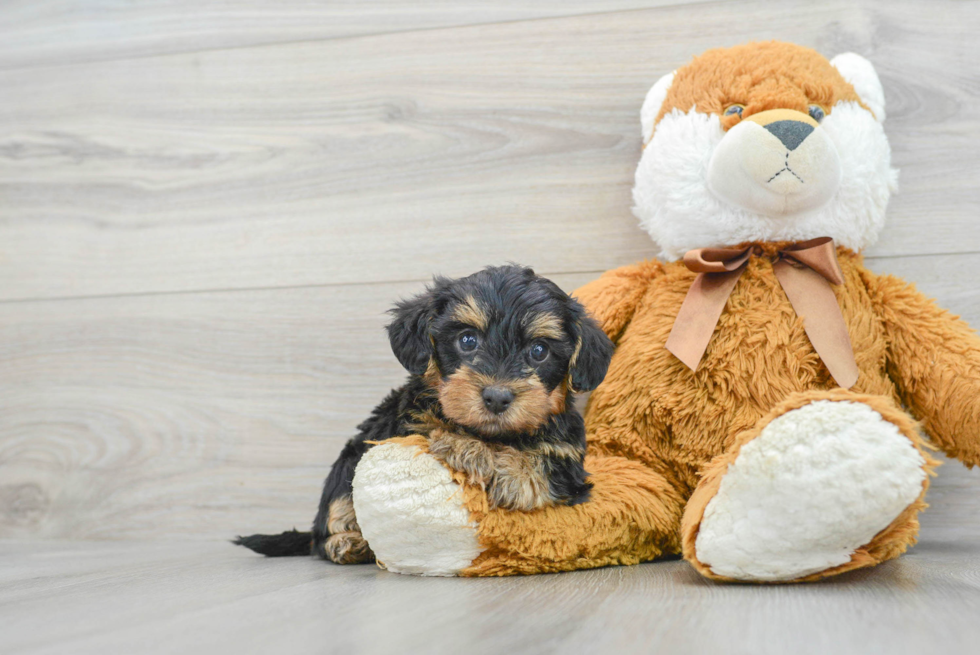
(519, 482)
(513, 479)
(347, 548)
(465, 454)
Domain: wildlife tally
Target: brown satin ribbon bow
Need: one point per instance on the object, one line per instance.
(804, 270)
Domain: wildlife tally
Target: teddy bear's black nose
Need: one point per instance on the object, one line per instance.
(497, 399)
(791, 133)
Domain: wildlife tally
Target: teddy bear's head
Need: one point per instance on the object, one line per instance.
(764, 142)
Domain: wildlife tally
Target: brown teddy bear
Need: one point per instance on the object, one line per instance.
(761, 414)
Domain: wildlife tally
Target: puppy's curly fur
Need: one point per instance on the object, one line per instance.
(493, 360)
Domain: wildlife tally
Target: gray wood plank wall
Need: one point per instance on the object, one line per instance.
(206, 208)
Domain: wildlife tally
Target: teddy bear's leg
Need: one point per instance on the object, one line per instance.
(421, 518)
(632, 516)
(828, 482)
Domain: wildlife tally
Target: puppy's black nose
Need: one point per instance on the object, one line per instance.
(497, 399)
(791, 133)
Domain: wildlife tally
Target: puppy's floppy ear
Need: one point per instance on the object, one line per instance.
(408, 332)
(593, 352)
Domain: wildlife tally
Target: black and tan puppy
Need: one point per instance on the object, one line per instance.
(494, 359)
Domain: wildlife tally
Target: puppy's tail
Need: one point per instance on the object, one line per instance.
(287, 544)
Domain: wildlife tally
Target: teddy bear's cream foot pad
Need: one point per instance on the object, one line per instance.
(411, 512)
(819, 482)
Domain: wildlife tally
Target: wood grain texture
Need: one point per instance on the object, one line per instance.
(207, 598)
(389, 157)
(205, 210)
(55, 32)
(201, 415)
(209, 414)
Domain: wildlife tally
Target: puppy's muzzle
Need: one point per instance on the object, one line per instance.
(497, 399)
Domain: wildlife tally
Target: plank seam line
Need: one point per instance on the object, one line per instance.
(286, 287)
(327, 285)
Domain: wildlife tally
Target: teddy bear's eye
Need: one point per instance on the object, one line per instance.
(733, 110)
(817, 113)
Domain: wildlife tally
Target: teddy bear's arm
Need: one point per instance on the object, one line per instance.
(612, 299)
(934, 358)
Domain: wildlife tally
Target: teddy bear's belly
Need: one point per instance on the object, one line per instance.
(652, 407)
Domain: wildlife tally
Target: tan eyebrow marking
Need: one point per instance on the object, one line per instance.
(544, 326)
(470, 313)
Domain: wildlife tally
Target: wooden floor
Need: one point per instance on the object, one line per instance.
(206, 208)
(131, 597)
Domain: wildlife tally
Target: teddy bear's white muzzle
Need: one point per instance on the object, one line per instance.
(783, 168)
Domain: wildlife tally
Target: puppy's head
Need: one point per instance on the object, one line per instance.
(502, 348)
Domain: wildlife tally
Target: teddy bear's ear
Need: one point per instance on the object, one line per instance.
(860, 74)
(652, 104)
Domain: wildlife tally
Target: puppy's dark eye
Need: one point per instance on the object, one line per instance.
(817, 113)
(733, 110)
(538, 353)
(467, 342)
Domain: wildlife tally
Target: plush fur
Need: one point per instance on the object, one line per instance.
(494, 359)
(788, 485)
(427, 527)
(760, 427)
(671, 194)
